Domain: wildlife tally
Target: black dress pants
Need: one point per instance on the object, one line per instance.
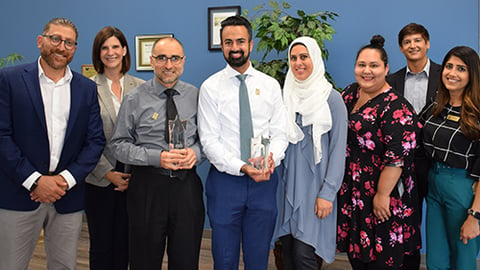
(298, 255)
(164, 212)
(107, 221)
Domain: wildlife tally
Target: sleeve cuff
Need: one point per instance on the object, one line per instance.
(237, 166)
(69, 179)
(29, 181)
(154, 157)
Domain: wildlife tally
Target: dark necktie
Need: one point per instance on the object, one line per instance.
(172, 114)
(246, 128)
(171, 111)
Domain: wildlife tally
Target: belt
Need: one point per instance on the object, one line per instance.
(151, 169)
(441, 165)
(158, 170)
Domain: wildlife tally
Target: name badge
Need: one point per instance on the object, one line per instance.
(453, 118)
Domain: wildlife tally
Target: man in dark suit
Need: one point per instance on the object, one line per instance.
(50, 139)
(417, 82)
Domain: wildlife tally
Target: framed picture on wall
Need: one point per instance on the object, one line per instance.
(143, 50)
(215, 16)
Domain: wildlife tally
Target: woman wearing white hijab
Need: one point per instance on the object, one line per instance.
(312, 170)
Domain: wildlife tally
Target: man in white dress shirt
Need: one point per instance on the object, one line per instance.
(51, 137)
(241, 200)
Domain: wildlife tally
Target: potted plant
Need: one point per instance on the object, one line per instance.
(12, 58)
(275, 29)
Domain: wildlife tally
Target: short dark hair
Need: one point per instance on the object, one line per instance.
(62, 22)
(236, 20)
(376, 43)
(104, 34)
(411, 29)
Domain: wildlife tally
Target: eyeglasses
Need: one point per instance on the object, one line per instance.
(56, 40)
(162, 59)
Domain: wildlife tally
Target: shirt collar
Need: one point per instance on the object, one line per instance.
(162, 87)
(426, 69)
(231, 73)
(41, 74)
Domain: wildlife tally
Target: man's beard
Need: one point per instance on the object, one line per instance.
(237, 62)
(48, 57)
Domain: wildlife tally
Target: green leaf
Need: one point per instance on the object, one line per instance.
(12, 58)
(273, 4)
(257, 7)
(276, 29)
(311, 24)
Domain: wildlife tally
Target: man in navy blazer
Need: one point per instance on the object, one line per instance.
(414, 42)
(417, 82)
(51, 137)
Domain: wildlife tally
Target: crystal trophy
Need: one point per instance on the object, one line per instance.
(177, 138)
(259, 152)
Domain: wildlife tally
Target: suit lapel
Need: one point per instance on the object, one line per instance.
(105, 96)
(433, 81)
(32, 86)
(129, 83)
(75, 102)
(401, 82)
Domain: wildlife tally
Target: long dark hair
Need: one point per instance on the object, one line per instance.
(470, 114)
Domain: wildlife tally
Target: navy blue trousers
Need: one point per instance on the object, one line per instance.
(240, 211)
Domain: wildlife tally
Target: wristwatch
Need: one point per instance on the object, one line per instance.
(34, 185)
(474, 213)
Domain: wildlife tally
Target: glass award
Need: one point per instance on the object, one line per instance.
(259, 152)
(177, 138)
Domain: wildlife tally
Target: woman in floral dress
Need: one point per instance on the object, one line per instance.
(378, 224)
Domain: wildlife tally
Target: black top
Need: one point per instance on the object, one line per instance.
(444, 141)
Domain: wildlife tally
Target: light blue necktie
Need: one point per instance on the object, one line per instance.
(246, 128)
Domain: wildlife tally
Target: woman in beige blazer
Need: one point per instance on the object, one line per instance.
(106, 185)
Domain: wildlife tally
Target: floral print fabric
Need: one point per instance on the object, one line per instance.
(381, 133)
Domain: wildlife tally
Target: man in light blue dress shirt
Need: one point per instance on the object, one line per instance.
(165, 194)
(418, 80)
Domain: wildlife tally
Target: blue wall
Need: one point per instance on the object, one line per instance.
(450, 23)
